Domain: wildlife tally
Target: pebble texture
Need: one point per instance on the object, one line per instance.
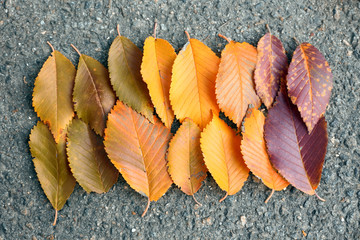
(25, 213)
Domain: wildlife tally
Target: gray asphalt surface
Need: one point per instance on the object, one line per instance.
(25, 213)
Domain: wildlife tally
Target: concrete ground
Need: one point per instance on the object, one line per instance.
(25, 213)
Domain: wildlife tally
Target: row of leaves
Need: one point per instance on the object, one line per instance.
(289, 145)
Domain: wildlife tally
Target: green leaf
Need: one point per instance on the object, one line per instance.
(88, 160)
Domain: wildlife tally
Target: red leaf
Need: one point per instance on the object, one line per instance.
(309, 82)
(297, 155)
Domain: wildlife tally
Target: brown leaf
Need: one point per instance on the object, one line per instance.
(137, 148)
(93, 95)
(271, 68)
(52, 96)
(309, 82)
(88, 161)
(296, 154)
(186, 165)
(51, 165)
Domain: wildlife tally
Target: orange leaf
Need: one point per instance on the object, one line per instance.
(254, 152)
(234, 82)
(156, 67)
(137, 148)
(192, 90)
(221, 149)
(186, 164)
(52, 96)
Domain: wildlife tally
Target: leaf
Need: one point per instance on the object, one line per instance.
(137, 148)
(156, 67)
(309, 82)
(88, 160)
(234, 83)
(271, 68)
(255, 155)
(93, 95)
(221, 149)
(192, 89)
(124, 68)
(297, 155)
(185, 161)
(52, 96)
(51, 165)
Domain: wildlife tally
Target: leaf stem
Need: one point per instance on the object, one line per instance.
(227, 194)
(297, 41)
(52, 48)
(321, 199)
(268, 28)
(196, 200)
(187, 34)
(56, 215)
(75, 49)
(226, 38)
(155, 28)
(146, 209)
(118, 30)
(272, 192)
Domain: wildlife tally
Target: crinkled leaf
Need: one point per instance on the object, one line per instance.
(186, 165)
(309, 82)
(88, 161)
(271, 68)
(235, 88)
(51, 165)
(124, 68)
(192, 89)
(52, 96)
(93, 95)
(254, 152)
(156, 67)
(137, 148)
(221, 149)
(296, 154)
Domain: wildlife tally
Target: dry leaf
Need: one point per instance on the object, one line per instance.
(93, 95)
(51, 165)
(137, 148)
(52, 96)
(309, 82)
(192, 89)
(88, 161)
(124, 68)
(296, 154)
(186, 165)
(271, 68)
(235, 88)
(255, 155)
(221, 149)
(156, 67)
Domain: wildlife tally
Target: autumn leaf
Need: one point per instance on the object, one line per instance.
(235, 88)
(271, 68)
(51, 165)
(124, 68)
(192, 89)
(52, 96)
(137, 148)
(186, 165)
(296, 154)
(221, 149)
(255, 155)
(156, 68)
(309, 83)
(93, 95)
(88, 160)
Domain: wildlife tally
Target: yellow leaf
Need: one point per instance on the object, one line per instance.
(192, 90)
(156, 67)
(221, 149)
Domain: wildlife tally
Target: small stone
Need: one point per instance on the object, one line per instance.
(133, 230)
(243, 220)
